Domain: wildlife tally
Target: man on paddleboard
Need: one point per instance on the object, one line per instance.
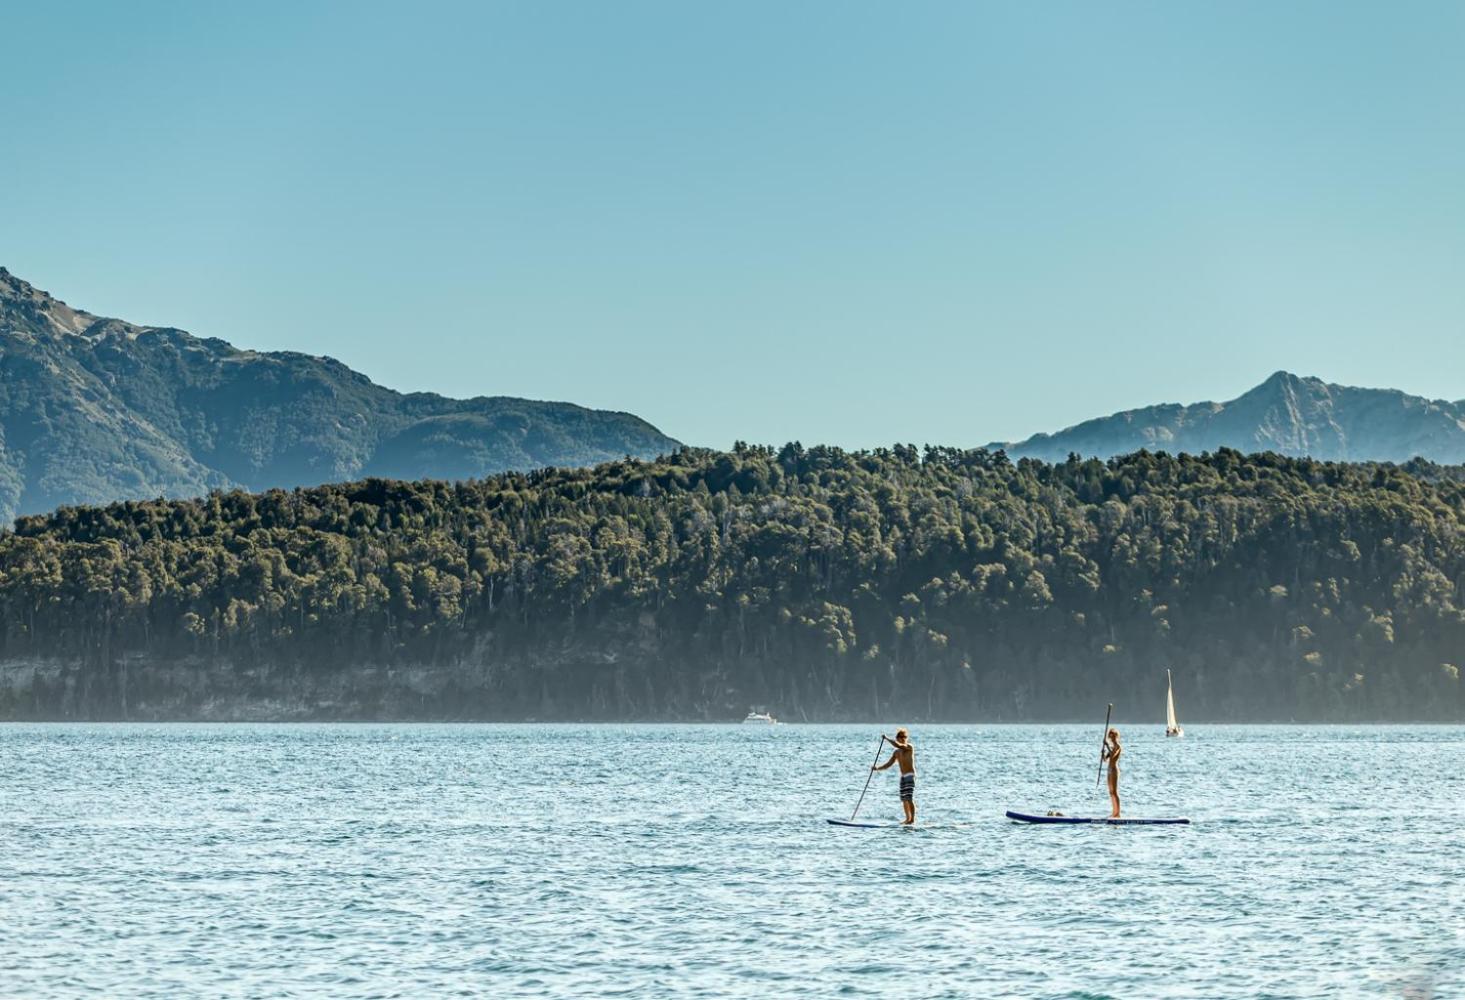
(904, 754)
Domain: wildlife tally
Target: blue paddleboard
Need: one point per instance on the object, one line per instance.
(1104, 820)
(890, 826)
(862, 826)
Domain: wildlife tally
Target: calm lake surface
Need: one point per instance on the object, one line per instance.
(414, 861)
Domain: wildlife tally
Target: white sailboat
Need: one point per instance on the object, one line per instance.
(1172, 728)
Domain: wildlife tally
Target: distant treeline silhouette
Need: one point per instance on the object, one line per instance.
(933, 584)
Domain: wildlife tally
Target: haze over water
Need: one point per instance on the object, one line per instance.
(146, 860)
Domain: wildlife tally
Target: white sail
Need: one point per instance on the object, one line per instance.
(1172, 727)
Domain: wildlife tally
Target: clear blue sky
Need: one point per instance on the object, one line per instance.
(854, 223)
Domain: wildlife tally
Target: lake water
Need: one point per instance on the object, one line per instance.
(644, 861)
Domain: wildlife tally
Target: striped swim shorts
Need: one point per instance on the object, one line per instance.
(907, 787)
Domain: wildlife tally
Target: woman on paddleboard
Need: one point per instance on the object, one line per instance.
(1110, 755)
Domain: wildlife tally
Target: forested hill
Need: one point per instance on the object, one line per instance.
(94, 410)
(892, 585)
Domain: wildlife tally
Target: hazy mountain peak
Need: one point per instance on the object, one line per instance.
(1290, 414)
(94, 409)
(1284, 378)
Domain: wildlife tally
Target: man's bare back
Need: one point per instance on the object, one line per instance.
(903, 755)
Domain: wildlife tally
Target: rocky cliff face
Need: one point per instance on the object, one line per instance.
(1286, 414)
(94, 410)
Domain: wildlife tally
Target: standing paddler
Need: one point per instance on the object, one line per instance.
(1110, 755)
(903, 754)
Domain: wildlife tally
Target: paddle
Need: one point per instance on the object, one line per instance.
(878, 747)
(1103, 741)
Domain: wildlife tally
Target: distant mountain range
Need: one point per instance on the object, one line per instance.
(1287, 414)
(94, 410)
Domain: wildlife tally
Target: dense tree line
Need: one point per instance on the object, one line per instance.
(926, 584)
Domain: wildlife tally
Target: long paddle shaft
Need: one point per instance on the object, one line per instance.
(878, 747)
(1103, 742)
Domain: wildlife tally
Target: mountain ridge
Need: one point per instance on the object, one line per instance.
(1289, 414)
(95, 409)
